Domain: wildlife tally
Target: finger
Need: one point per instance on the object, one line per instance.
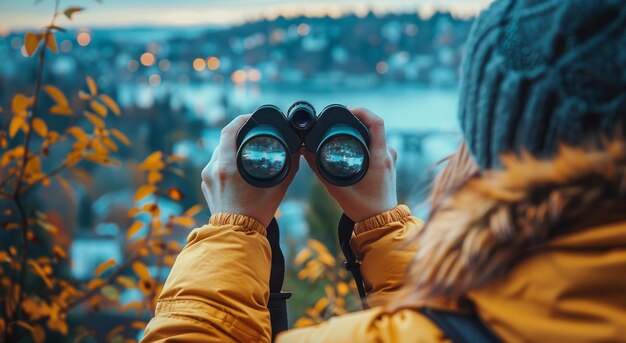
(311, 161)
(393, 153)
(295, 165)
(228, 145)
(206, 170)
(205, 193)
(375, 125)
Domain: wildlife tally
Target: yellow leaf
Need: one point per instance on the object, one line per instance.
(31, 42)
(104, 266)
(107, 100)
(302, 256)
(95, 283)
(61, 110)
(175, 194)
(121, 137)
(109, 143)
(303, 322)
(69, 12)
(168, 260)
(153, 161)
(51, 42)
(58, 323)
(110, 292)
(175, 158)
(95, 120)
(83, 96)
(192, 211)
(98, 108)
(64, 183)
(93, 87)
(59, 252)
(40, 127)
(56, 95)
(138, 325)
(37, 268)
(133, 229)
(20, 104)
(134, 305)
(183, 221)
(48, 226)
(38, 333)
(330, 291)
(141, 270)
(154, 177)
(321, 305)
(343, 288)
(14, 127)
(144, 191)
(316, 245)
(126, 282)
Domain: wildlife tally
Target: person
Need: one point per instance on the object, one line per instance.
(527, 228)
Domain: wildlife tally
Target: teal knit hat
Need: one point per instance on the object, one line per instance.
(541, 72)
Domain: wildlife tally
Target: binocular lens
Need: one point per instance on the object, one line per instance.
(263, 157)
(302, 118)
(342, 156)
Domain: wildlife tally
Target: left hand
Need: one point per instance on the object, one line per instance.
(376, 192)
(226, 191)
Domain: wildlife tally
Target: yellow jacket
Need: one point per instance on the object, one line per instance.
(218, 291)
(573, 289)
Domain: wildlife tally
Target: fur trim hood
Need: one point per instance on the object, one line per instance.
(481, 229)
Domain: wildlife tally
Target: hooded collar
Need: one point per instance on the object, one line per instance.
(480, 230)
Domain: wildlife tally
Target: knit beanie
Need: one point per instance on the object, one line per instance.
(542, 72)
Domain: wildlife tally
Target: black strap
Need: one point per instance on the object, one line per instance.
(277, 304)
(346, 225)
(460, 327)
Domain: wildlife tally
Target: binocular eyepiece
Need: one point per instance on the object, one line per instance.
(267, 141)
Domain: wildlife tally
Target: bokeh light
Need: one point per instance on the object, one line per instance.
(165, 65)
(132, 66)
(83, 38)
(147, 59)
(213, 63)
(66, 46)
(382, 67)
(239, 77)
(199, 64)
(303, 29)
(254, 75)
(154, 80)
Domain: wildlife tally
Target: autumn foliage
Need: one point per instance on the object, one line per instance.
(36, 292)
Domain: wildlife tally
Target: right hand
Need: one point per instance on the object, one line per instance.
(376, 192)
(226, 191)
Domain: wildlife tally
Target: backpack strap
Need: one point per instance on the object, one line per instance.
(346, 226)
(277, 303)
(461, 328)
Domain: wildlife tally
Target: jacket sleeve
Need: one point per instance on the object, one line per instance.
(218, 288)
(383, 245)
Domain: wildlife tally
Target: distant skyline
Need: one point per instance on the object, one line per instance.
(25, 14)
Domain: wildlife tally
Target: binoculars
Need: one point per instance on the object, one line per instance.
(267, 141)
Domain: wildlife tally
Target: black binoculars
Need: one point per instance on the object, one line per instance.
(268, 140)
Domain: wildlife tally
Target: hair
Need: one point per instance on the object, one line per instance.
(459, 169)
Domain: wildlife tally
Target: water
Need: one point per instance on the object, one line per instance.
(403, 107)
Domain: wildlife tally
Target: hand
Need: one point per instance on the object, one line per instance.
(226, 191)
(376, 192)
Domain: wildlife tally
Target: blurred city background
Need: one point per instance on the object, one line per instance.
(181, 70)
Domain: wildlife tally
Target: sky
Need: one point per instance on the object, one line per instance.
(27, 14)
